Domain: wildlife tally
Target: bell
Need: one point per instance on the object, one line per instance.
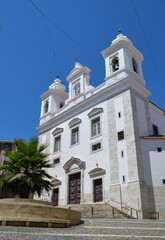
(116, 66)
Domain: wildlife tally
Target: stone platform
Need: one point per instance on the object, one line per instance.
(34, 213)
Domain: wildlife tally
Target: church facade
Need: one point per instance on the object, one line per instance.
(107, 143)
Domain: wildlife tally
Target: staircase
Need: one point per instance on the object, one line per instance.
(97, 210)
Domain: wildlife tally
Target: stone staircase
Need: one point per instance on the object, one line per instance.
(97, 210)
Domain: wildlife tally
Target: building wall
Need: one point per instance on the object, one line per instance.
(81, 151)
(154, 166)
(157, 118)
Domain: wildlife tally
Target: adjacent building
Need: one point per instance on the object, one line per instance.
(108, 142)
(7, 145)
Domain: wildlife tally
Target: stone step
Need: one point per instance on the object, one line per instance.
(97, 210)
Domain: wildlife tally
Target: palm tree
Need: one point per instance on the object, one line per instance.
(24, 173)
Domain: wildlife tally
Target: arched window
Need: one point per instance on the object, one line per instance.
(76, 89)
(46, 106)
(61, 104)
(134, 65)
(115, 64)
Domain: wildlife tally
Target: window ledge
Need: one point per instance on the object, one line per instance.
(96, 151)
(93, 137)
(56, 152)
(74, 145)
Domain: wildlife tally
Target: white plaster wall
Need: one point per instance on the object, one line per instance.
(158, 119)
(82, 151)
(118, 103)
(142, 119)
(154, 162)
(123, 163)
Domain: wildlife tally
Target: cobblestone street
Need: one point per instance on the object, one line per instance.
(91, 229)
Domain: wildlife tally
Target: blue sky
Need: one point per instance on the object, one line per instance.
(27, 63)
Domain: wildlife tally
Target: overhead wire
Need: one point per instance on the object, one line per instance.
(13, 125)
(24, 50)
(148, 45)
(64, 32)
(53, 50)
(15, 16)
(22, 91)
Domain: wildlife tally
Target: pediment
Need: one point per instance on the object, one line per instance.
(56, 182)
(95, 111)
(74, 72)
(97, 172)
(73, 163)
(57, 131)
(74, 121)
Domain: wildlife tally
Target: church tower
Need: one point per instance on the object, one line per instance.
(52, 100)
(122, 56)
(129, 119)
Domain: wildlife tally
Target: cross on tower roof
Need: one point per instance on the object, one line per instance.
(77, 58)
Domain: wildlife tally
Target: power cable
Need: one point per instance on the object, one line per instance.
(24, 50)
(13, 125)
(22, 91)
(145, 37)
(15, 16)
(64, 32)
(53, 50)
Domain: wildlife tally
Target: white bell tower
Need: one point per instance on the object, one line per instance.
(121, 56)
(52, 100)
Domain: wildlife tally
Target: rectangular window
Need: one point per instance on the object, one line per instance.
(57, 144)
(56, 161)
(159, 149)
(96, 147)
(120, 135)
(7, 146)
(163, 181)
(95, 126)
(122, 154)
(155, 130)
(123, 179)
(75, 136)
(119, 114)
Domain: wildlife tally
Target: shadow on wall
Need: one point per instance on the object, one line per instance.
(152, 214)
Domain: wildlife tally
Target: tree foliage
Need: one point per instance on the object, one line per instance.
(25, 171)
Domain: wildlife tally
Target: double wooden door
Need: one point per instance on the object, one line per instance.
(74, 188)
(98, 190)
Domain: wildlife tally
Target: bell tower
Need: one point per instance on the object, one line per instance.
(122, 56)
(53, 100)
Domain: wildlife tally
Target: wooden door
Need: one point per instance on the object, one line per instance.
(98, 190)
(74, 188)
(55, 196)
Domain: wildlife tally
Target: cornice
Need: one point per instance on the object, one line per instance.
(121, 44)
(127, 70)
(53, 91)
(107, 92)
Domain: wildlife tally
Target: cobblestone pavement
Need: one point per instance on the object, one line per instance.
(91, 229)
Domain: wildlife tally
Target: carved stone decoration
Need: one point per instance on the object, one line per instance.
(95, 111)
(97, 172)
(56, 182)
(73, 162)
(74, 121)
(57, 131)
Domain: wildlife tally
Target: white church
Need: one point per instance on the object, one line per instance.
(107, 143)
